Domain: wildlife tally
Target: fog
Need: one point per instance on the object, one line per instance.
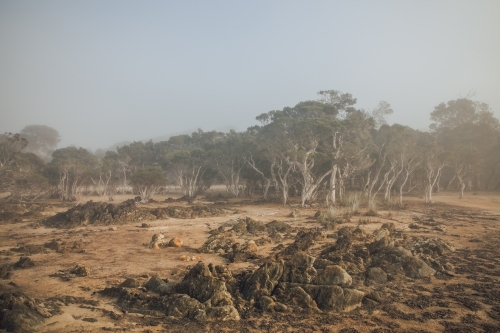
(106, 72)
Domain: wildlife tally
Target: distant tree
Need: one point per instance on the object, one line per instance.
(190, 161)
(28, 181)
(70, 170)
(380, 113)
(228, 157)
(42, 140)
(20, 173)
(434, 160)
(10, 147)
(140, 154)
(108, 175)
(468, 131)
(147, 181)
(460, 112)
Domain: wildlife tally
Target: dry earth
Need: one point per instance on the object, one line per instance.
(464, 297)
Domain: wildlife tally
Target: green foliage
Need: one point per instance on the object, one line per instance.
(22, 174)
(148, 176)
(70, 170)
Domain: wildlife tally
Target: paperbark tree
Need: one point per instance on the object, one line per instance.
(228, 157)
(147, 181)
(70, 171)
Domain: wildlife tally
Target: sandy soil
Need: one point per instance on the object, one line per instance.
(470, 299)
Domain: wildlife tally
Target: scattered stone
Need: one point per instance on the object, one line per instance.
(390, 226)
(303, 241)
(189, 258)
(157, 285)
(6, 271)
(80, 270)
(156, 241)
(218, 242)
(61, 246)
(90, 320)
(175, 242)
(129, 283)
(241, 253)
(296, 298)
(295, 213)
(24, 262)
(278, 226)
(375, 275)
(383, 241)
(416, 268)
(29, 249)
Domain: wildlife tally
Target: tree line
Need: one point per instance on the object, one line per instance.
(317, 150)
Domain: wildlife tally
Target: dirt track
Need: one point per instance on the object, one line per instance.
(467, 300)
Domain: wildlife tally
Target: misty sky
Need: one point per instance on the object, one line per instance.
(101, 72)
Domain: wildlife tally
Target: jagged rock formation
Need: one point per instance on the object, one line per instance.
(100, 213)
(304, 277)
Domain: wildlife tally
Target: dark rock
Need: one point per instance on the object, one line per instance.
(130, 283)
(390, 226)
(80, 270)
(241, 253)
(255, 227)
(416, 268)
(296, 298)
(181, 306)
(326, 298)
(303, 241)
(277, 226)
(382, 242)
(19, 313)
(263, 281)
(156, 285)
(222, 313)
(29, 249)
(299, 269)
(6, 271)
(343, 243)
(295, 213)
(345, 232)
(24, 262)
(217, 243)
(240, 228)
(375, 275)
(322, 263)
(333, 275)
(200, 283)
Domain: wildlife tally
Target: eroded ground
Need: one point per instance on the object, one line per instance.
(458, 289)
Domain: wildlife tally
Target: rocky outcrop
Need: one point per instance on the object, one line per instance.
(263, 281)
(299, 269)
(219, 243)
(101, 213)
(241, 253)
(19, 313)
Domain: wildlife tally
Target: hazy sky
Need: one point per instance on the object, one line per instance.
(102, 72)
